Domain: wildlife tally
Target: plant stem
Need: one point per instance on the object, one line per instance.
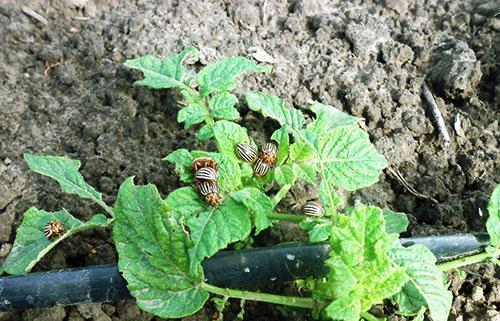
(369, 317)
(285, 217)
(281, 193)
(263, 297)
(454, 264)
(105, 206)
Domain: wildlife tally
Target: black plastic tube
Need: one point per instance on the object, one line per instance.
(239, 269)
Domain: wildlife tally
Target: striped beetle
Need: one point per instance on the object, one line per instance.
(313, 209)
(207, 187)
(247, 152)
(269, 153)
(53, 229)
(214, 199)
(261, 167)
(206, 174)
(201, 162)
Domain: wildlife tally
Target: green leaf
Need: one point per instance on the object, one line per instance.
(274, 107)
(182, 159)
(493, 222)
(185, 202)
(65, 171)
(349, 159)
(361, 272)
(281, 137)
(222, 106)
(214, 228)
(162, 72)
(318, 229)
(324, 196)
(305, 171)
(258, 204)
(153, 247)
(425, 285)
(31, 244)
(284, 175)
(228, 135)
(206, 132)
(192, 114)
(221, 76)
(329, 117)
(395, 222)
(301, 151)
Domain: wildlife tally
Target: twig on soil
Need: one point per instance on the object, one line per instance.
(27, 11)
(436, 115)
(397, 174)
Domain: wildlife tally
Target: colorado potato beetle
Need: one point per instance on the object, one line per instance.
(247, 152)
(207, 187)
(53, 229)
(269, 153)
(206, 173)
(202, 162)
(214, 199)
(261, 167)
(313, 209)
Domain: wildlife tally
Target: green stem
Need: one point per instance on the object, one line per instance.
(263, 297)
(369, 317)
(105, 206)
(285, 217)
(281, 193)
(477, 258)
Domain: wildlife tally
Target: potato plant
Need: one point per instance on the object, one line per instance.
(162, 241)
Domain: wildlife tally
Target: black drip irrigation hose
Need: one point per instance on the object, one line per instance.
(244, 269)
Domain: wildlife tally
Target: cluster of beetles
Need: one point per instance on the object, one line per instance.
(207, 180)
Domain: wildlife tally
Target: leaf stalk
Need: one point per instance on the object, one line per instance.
(285, 217)
(292, 301)
(468, 260)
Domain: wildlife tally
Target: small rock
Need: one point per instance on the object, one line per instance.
(5, 249)
(367, 38)
(456, 71)
(245, 13)
(457, 125)
(90, 9)
(66, 74)
(260, 55)
(477, 293)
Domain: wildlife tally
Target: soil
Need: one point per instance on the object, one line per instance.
(64, 91)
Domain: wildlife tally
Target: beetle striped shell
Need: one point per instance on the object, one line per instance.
(269, 153)
(202, 162)
(214, 199)
(261, 167)
(246, 152)
(313, 209)
(53, 228)
(206, 173)
(207, 187)
(270, 148)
